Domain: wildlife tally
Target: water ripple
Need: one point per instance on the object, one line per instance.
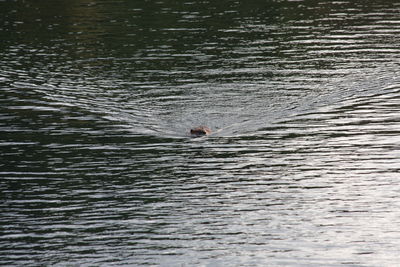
(97, 166)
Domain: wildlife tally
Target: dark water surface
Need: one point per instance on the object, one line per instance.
(97, 98)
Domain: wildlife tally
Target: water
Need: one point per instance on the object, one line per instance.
(97, 98)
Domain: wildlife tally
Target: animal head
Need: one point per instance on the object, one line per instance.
(200, 131)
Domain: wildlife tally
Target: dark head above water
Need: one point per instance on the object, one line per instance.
(200, 131)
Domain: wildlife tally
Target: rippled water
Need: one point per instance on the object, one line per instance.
(97, 98)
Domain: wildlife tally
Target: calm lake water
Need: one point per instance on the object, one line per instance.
(97, 167)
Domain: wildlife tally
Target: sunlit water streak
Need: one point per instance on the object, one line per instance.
(97, 167)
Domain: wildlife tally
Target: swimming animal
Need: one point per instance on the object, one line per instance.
(200, 131)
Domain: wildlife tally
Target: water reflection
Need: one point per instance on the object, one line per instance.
(97, 167)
